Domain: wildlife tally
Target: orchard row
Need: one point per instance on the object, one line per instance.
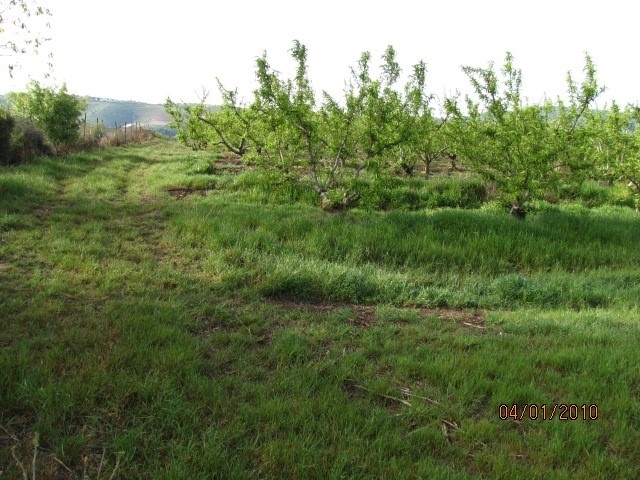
(379, 128)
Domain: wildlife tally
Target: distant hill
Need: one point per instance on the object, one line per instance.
(120, 112)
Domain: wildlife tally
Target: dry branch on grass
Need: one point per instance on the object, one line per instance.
(474, 326)
(407, 392)
(404, 402)
(447, 426)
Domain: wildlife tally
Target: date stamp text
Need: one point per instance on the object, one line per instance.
(559, 411)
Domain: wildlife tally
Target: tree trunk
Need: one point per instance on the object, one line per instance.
(348, 201)
(518, 211)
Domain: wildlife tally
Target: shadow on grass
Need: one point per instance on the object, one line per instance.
(444, 258)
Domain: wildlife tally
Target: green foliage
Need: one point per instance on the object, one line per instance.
(617, 146)
(230, 127)
(383, 120)
(524, 150)
(190, 130)
(295, 134)
(98, 131)
(56, 112)
(20, 139)
(426, 139)
(325, 146)
(349, 150)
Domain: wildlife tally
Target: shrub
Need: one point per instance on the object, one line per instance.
(28, 142)
(7, 123)
(57, 113)
(98, 132)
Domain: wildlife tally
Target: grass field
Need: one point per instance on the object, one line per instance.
(159, 312)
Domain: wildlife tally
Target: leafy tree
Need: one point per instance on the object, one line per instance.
(17, 33)
(523, 149)
(576, 134)
(426, 140)
(384, 122)
(231, 126)
(297, 134)
(327, 144)
(617, 145)
(57, 113)
(190, 129)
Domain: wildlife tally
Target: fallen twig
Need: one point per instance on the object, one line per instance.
(474, 326)
(85, 460)
(446, 425)
(19, 463)
(404, 402)
(407, 392)
(453, 425)
(60, 462)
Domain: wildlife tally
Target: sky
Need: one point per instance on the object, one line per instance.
(146, 50)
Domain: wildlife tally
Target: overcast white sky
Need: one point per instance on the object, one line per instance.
(147, 50)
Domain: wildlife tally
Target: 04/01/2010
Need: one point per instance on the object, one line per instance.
(560, 411)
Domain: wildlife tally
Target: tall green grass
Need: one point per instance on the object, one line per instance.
(217, 334)
(444, 257)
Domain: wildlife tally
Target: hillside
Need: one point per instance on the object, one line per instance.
(118, 111)
(112, 112)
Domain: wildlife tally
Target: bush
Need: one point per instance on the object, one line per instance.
(20, 140)
(97, 132)
(7, 123)
(57, 113)
(28, 142)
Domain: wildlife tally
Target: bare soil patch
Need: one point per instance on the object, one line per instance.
(463, 317)
(365, 316)
(180, 193)
(231, 163)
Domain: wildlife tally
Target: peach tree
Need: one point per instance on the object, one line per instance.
(524, 150)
